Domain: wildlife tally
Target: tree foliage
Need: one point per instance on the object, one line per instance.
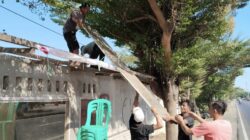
(208, 69)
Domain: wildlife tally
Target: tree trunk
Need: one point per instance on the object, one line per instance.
(194, 107)
(166, 44)
(170, 102)
(170, 95)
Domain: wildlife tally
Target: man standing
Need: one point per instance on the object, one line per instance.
(138, 130)
(75, 19)
(219, 129)
(188, 120)
(93, 50)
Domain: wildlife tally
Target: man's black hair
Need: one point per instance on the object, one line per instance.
(185, 101)
(191, 106)
(220, 106)
(84, 5)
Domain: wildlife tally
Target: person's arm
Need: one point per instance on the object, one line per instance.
(196, 117)
(136, 100)
(170, 119)
(183, 125)
(80, 24)
(159, 123)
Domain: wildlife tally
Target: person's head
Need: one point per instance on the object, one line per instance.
(217, 108)
(138, 114)
(185, 106)
(84, 8)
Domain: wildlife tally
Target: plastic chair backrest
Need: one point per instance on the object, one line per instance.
(11, 111)
(8, 118)
(102, 108)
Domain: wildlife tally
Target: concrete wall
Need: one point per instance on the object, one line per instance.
(33, 81)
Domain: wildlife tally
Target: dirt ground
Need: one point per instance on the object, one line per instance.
(161, 136)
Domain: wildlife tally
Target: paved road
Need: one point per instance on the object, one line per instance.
(41, 128)
(244, 108)
(41, 123)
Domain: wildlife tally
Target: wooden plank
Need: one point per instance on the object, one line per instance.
(103, 45)
(47, 98)
(145, 93)
(70, 56)
(55, 52)
(106, 49)
(128, 74)
(17, 50)
(18, 41)
(28, 52)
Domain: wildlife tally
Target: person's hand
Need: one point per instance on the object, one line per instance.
(179, 118)
(136, 100)
(167, 117)
(172, 120)
(154, 110)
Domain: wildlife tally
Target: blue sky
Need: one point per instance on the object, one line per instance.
(17, 26)
(242, 30)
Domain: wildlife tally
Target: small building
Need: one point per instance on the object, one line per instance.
(45, 99)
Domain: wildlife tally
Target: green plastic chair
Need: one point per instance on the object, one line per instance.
(99, 130)
(7, 120)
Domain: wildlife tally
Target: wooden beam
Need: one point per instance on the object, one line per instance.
(145, 93)
(33, 99)
(55, 52)
(17, 50)
(18, 41)
(104, 46)
(106, 49)
(59, 53)
(29, 52)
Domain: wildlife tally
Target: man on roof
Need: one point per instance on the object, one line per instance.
(76, 19)
(93, 51)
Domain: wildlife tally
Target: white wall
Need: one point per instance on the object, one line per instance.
(122, 98)
(121, 94)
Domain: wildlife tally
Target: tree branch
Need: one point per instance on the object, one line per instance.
(141, 18)
(120, 37)
(159, 15)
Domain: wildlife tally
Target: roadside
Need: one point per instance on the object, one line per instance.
(231, 115)
(243, 119)
(161, 136)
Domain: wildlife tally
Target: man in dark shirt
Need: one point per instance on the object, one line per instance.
(138, 130)
(75, 19)
(93, 50)
(189, 121)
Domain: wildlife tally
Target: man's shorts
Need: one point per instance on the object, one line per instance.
(72, 43)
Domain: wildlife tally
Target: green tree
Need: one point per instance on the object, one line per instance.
(238, 93)
(208, 69)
